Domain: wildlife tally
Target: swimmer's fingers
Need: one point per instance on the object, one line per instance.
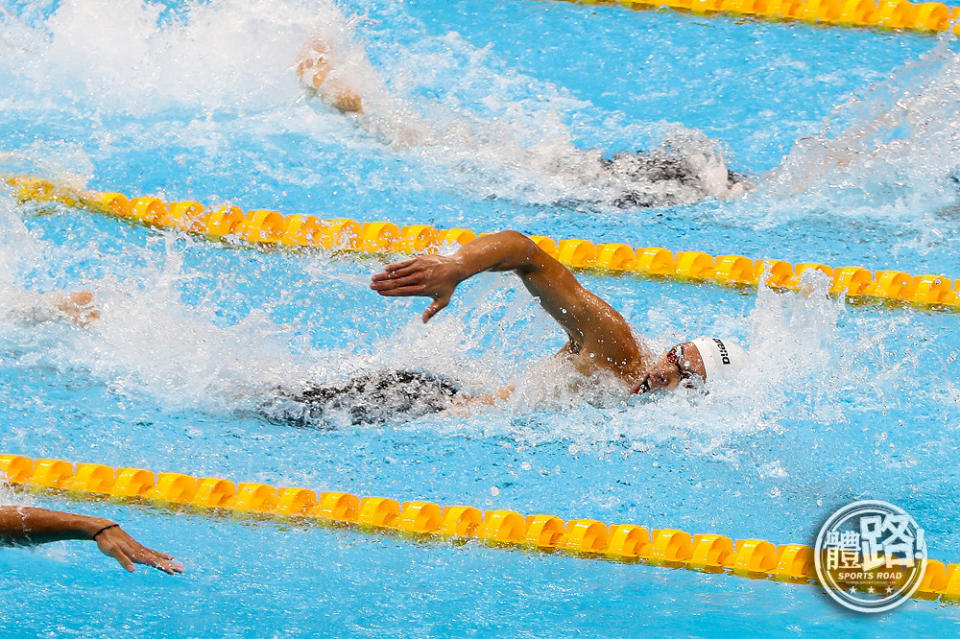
(438, 305)
(159, 560)
(403, 271)
(116, 543)
(396, 266)
(409, 281)
(424, 276)
(393, 271)
(430, 265)
(121, 557)
(403, 291)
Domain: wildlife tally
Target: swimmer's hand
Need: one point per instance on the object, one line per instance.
(433, 276)
(314, 69)
(22, 525)
(466, 406)
(37, 308)
(78, 307)
(116, 543)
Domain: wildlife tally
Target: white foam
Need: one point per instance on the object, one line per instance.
(811, 361)
(9, 498)
(454, 109)
(119, 56)
(888, 151)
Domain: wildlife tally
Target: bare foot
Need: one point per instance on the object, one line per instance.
(77, 306)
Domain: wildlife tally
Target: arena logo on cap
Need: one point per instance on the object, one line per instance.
(870, 556)
(724, 355)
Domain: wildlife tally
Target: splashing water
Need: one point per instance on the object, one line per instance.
(216, 56)
(150, 343)
(793, 340)
(890, 149)
(521, 150)
(8, 497)
(237, 59)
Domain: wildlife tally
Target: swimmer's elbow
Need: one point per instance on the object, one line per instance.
(503, 251)
(525, 251)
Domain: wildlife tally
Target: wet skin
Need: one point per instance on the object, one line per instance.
(598, 336)
(20, 525)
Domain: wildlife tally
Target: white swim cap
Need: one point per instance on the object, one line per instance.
(721, 357)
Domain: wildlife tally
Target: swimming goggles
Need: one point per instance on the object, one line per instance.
(675, 357)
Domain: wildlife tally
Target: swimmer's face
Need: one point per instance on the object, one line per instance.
(679, 365)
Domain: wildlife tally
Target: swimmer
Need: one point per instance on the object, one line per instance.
(681, 170)
(599, 339)
(23, 526)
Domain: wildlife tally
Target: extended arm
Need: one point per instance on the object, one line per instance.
(20, 525)
(36, 308)
(593, 326)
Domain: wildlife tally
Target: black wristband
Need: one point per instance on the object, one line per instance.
(103, 529)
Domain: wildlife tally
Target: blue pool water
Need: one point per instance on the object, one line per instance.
(850, 138)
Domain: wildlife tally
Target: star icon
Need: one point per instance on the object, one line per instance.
(871, 590)
(853, 588)
(889, 589)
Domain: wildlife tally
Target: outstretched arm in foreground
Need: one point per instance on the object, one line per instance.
(595, 329)
(20, 525)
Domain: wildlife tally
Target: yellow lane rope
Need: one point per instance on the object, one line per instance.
(887, 14)
(271, 228)
(587, 538)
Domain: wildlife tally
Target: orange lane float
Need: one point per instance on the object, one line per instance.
(267, 227)
(888, 14)
(585, 538)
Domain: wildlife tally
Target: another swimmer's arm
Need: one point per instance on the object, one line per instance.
(36, 308)
(20, 525)
(314, 69)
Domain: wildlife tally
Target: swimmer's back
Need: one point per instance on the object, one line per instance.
(662, 177)
(369, 398)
